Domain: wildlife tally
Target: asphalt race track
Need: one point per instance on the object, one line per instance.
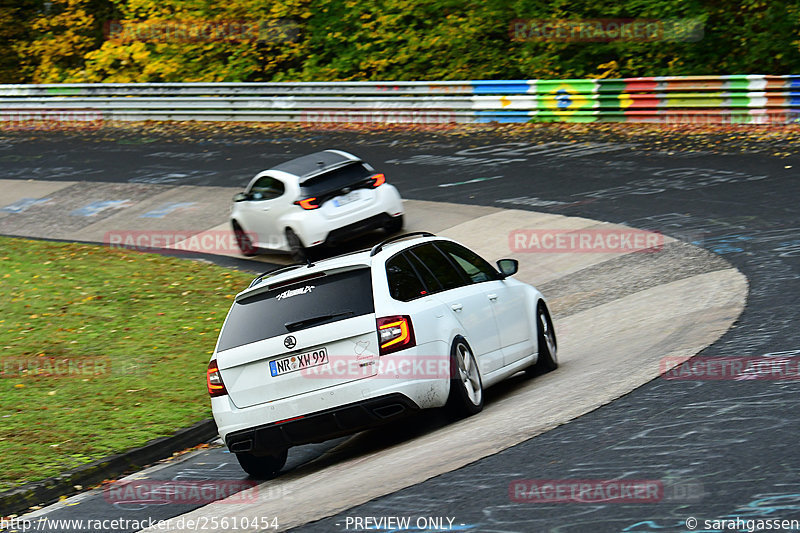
(722, 448)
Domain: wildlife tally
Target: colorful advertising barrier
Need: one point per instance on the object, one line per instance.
(730, 99)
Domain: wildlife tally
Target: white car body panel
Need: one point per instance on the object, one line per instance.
(470, 308)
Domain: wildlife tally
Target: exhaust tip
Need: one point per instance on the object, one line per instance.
(388, 411)
(241, 446)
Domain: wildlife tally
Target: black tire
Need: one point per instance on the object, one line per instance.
(296, 248)
(394, 225)
(466, 386)
(246, 245)
(548, 346)
(265, 467)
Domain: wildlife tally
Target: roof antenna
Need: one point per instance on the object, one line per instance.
(308, 262)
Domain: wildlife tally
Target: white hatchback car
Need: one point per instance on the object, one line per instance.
(316, 199)
(312, 352)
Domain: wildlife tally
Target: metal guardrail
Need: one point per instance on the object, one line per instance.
(745, 99)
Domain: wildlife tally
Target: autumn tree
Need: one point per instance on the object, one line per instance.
(15, 31)
(60, 34)
(318, 40)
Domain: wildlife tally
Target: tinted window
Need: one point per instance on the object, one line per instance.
(404, 285)
(298, 306)
(475, 267)
(439, 265)
(346, 176)
(428, 280)
(266, 188)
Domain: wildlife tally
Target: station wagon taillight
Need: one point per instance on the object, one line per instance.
(214, 380)
(395, 333)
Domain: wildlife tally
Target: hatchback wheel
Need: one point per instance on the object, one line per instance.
(298, 251)
(246, 246)
(394, 225)
(266, 467)
(466, 387)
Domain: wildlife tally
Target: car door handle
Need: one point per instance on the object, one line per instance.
(492, 297)
(456, 307)
(265, 208)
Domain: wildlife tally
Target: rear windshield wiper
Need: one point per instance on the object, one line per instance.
(314, 321)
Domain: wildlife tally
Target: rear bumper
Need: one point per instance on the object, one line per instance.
(321, 426)
(317, 228)
(357, 228)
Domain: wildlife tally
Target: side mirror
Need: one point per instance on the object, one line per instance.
(240, 197)
(508, 267)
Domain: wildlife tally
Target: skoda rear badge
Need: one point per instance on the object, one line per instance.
(290, 342)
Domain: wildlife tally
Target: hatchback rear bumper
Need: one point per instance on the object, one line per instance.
(321, 426)
(315, 228)
(357, 228)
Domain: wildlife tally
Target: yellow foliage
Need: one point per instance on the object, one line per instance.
(305, 40)
(608, 70)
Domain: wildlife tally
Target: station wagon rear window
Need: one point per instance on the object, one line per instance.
(297, 306)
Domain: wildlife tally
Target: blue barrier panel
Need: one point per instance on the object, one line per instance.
(793, 81)
(503, 117)
(501, 87)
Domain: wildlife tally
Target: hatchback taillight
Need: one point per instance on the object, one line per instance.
(308, 203)
(395, 333)
(377, 180)
(214, 380)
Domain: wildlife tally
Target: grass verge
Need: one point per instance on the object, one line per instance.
(101, 350)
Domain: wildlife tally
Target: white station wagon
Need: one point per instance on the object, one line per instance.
(317, 199)
(317, 351)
